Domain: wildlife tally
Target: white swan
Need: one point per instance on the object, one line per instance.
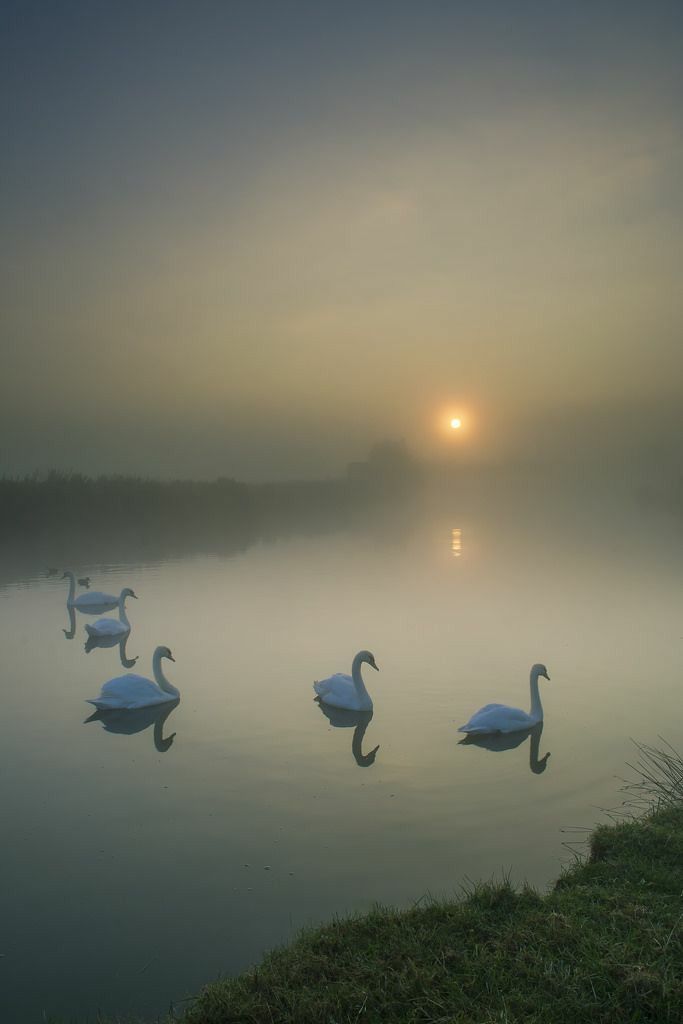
(112, 627)
(131, 691)
(93, 602)
(342, 691)
(501, 718)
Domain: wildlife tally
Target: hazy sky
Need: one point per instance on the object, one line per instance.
(250, 238)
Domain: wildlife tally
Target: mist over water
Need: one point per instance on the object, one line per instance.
(149, 858)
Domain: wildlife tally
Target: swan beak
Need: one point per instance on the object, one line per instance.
(135, 596)
(376, 667)
(546, 676)
(170, 656)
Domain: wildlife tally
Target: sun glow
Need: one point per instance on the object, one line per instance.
(456, 423)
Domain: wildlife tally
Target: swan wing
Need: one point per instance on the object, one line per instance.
(106, 627)
(339, 691)
(326, 685)
(497, 718)
(97, 597)
(130, 691)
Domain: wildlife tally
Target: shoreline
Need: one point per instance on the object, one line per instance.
(605, 944)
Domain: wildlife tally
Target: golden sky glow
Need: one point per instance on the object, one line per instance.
(315, 244)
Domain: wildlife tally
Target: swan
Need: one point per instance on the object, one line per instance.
(501, 718)
(131, 691)
(112, 627)
(93, 602)
(342, 691)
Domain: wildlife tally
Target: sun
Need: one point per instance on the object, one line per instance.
(456, 423)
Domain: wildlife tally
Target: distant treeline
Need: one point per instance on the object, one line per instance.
(31, 505)
(35, 505)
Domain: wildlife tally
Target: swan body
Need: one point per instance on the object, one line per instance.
(93, 602)
(494, 718)
(133, 691)
(112, 627)
(342, 691)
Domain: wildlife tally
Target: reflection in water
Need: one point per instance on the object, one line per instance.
(127, 722)
(70, 633)
(111, 641)
(456, 542)
(499, 741)
(84, 581)
(341, 718)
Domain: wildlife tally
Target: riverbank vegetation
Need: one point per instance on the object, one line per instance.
(47, 504)
(605, 945)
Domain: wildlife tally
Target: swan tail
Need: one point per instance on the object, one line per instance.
(99, 705)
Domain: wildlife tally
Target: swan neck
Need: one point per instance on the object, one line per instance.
(161, 744)
(160, 677)
(357, 741)
(536, 710)
(122, 613)
(357, 677)
(71, 632)
(72, 587)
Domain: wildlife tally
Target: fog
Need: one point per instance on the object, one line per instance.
(251, 240)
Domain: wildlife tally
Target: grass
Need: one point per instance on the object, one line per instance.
(605, 945)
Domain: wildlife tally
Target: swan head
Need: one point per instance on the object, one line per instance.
(369, 658)
(540, 670)
(68, 575)
(164, 652)
(127, 592)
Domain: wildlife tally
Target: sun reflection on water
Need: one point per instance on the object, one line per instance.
(456, 542)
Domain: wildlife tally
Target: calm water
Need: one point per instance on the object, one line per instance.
(133, 871)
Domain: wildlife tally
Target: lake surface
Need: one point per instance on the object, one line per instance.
(135, 871)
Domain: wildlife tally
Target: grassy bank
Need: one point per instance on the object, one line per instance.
(605, 945)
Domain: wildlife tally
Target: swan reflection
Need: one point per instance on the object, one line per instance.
(127, 722)
(498, 742)
(111, 641)
(70, 633)
(341, 718)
